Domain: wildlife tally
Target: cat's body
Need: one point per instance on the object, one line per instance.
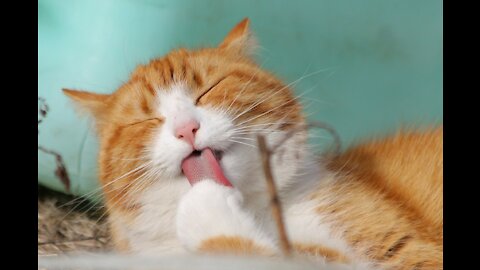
(379, 204)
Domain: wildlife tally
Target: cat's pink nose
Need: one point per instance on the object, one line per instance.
(186, 132)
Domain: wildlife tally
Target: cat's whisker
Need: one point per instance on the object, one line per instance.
(245, 87)
(271, 110)
(90, 194)
(256, 125)
(244, 138)
(251, 129)
(277, 123)
(143, 182)
(258, 131)
(127, 190)
(140, 184)
(258, 102)
(255, 132)
(277, 91)
(247, 129)
(295, 98)
(270, 126)
(247, 144)
(267, 112)
(261, 100)
(145, 175)
(122, 189)
(275, 108)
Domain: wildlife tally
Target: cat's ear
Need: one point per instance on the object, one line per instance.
(240, 39)
(92, 103)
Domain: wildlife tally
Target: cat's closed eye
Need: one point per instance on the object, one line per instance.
(145, 120)
(208, 90)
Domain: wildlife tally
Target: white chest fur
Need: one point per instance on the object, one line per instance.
(153, 231)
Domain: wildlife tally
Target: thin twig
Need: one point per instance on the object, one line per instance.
(265, 154)
(61, 171)
(275, 202)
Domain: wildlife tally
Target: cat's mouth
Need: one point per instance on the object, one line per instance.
(217, 153)
(204, 164)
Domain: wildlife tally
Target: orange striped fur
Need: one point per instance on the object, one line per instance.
(233, 245)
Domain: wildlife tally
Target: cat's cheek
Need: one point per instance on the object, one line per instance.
(209, 210)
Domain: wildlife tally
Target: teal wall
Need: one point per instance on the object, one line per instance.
(381, 61)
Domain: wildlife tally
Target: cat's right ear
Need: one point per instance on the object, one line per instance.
(91, 103)
(240, 39)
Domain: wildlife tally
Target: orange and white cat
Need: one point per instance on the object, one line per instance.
(181, 171)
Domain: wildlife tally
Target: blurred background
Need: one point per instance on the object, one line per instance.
(376, 65)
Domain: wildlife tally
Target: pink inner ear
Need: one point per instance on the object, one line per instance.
(204, 166)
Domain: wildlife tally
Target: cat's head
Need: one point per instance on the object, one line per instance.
(216, 98)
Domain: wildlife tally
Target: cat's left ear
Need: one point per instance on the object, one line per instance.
(240, 39)
(92, 103)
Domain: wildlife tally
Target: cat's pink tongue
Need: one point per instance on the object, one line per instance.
(204, 166)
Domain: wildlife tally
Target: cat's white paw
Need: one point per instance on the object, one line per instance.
(209, 210)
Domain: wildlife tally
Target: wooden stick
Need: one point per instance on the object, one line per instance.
(274, 200)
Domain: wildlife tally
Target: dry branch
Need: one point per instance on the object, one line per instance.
(266, 154)
(274, 200)
(61, 170)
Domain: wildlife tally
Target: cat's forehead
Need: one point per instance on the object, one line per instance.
(191, 69)
(175, 95)
(188, 72)
(182, 64)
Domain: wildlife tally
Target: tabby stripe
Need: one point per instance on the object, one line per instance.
(395, 248)
(169, 66)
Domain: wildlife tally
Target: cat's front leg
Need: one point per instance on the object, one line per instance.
(210, 218)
